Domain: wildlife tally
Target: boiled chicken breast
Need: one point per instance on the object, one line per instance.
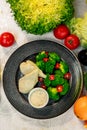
(28, 66)
(27, 82)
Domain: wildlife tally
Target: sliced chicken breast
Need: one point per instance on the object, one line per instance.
(27, 82)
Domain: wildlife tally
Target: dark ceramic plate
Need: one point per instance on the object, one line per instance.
(11, 75)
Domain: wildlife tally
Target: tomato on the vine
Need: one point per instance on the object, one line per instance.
(72, 42)
(61, 31)
(6, 39)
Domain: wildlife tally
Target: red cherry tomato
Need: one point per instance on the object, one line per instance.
(45, 59)
(43, 86)
(40, 79)
(59, 88)
(61, 31)
(6, 39)
(52, 77)
(67, 75)
(72, 42)
(46, 53)
(57, 66)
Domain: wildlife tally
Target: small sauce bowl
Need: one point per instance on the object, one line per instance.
(38, 98)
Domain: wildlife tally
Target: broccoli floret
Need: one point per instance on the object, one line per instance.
(47, 81)
(41, 16)
(57, 81)
(41, 65)
(41, 55)
(53, 94)
(59, 73)
(49, 64)
(49, 67)
(66, 87)
(54, 56)
(64, 67)
(53, 62)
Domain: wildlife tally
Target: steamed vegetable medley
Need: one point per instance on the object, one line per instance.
(57, 74)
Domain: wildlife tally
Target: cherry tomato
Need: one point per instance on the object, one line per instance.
(57, 66)
(43, 86)
(59, 88)
(67, 75)
(45, 59)
(61, 31)
(46, 53)
(40, 79)
(6, 39)
(72, 42)
(52, 77)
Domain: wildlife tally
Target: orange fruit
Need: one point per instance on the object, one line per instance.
(80, 108)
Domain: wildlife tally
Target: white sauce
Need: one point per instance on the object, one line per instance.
(38, 98)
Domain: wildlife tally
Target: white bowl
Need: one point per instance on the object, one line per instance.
(38, 98)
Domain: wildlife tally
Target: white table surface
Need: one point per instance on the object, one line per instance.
(10, 118)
